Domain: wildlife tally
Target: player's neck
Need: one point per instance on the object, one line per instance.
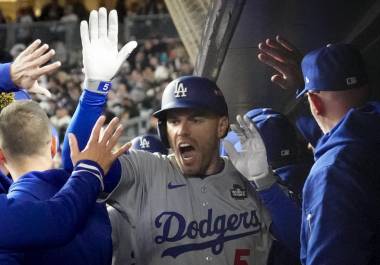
(26, 165)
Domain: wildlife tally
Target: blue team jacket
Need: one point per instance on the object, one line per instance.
(68, 208)
(92, 243)
(5, 183)
(6, 83)
(341, 196)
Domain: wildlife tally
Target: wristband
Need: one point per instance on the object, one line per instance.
(263, 182)
(91, 167)
(97, 86)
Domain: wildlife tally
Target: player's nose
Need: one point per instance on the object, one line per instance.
(184, 128)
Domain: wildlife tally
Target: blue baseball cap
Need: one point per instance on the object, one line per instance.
(335, 67)
(149, 143)
(278, 134)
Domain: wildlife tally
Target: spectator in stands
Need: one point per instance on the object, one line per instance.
(25, 15)
(69, 15)
(51, 11)
(61, 119)
(122, 10)
(154, 7)
(2, 17)
(79, 8)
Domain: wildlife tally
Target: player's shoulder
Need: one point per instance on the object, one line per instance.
(145, 162)
(40, 185)
(139, 156)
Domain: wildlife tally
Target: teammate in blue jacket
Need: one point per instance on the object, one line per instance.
(71, 205)
(192, 206)
(342, 190)
(339, 223)
(27, 151)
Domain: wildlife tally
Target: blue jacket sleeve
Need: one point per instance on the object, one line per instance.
(286, 217)
(10, 258)
(50, 223)
(6, 83)
(89, 109)
(336, 222)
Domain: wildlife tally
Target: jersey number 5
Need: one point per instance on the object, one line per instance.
(239, 254)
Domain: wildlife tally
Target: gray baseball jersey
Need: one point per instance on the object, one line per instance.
(173, 219)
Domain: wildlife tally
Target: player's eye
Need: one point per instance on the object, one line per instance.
(197, 119)
(172, 121)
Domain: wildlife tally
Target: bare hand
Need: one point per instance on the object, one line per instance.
(100, 146)
(285, 58)
(27, 67)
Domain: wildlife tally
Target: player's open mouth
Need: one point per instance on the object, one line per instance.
(186, 150)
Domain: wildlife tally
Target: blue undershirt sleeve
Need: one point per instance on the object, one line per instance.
(286, 217)
(89, 109)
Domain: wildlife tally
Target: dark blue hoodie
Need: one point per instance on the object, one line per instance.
(5, 183)
(92, 243)
(341, 196)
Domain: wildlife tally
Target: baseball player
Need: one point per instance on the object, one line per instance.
(30, 164)
(191, 207)
(71, 205)
(280, 140)
(123, 253)
(342, 189)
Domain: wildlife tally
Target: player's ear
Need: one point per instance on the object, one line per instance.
(316, 103)
(223, 127)
(53, 146)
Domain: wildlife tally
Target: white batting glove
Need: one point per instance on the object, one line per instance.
(252, 161)
(101, 58)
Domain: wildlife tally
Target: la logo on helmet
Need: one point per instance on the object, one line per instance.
(180, 90)
(144, 143)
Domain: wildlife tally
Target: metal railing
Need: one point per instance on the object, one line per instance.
(134, 27)
(143, 27)
(136, 126)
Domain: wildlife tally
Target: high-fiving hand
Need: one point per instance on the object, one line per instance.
(27, 67)
(251, 161)
(285, 58)
(101, 57)
(100, 146)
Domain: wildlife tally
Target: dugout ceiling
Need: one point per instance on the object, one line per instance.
(235, 27)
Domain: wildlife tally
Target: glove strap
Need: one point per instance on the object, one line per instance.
(263, 182)
(97, 86)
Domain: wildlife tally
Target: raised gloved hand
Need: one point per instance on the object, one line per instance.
(252, 161)
(101, 57)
